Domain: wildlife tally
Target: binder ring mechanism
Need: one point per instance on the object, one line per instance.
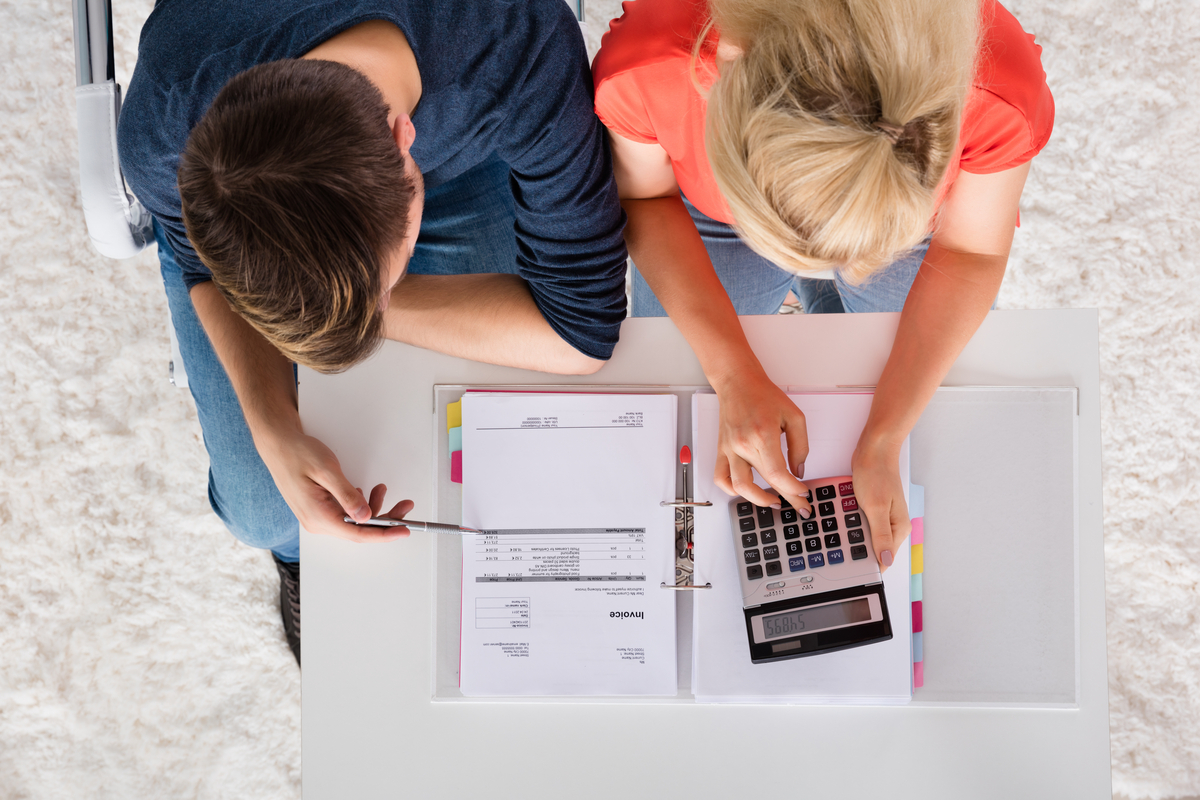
(683, 587)
(681, 504)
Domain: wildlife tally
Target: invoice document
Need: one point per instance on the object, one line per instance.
(561, 591)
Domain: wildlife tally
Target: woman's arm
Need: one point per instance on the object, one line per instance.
(665, 245)
(954, 289)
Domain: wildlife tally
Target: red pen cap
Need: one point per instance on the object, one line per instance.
(685, 455)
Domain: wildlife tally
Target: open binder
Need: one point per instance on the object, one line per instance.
(1054, 685)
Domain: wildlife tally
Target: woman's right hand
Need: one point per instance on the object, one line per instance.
(754, 412)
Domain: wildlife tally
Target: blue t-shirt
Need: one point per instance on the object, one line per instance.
(503, 77)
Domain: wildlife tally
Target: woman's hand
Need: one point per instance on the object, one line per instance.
(880, 495)
(754, 412)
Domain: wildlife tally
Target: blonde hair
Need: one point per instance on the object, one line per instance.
(829, 135)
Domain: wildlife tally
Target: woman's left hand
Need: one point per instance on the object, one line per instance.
(880, 495)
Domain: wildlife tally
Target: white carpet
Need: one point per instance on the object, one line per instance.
(140, 648)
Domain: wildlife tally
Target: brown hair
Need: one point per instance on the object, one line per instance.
(829, 135)
(294, 196)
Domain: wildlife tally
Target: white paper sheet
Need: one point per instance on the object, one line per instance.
(561, 595)
(721, 667)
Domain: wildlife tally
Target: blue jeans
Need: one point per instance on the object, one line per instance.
(467, 228)
(756, 286)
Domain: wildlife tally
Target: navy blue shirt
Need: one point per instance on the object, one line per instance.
(504, 77)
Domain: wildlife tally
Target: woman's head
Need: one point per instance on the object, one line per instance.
(829, 134)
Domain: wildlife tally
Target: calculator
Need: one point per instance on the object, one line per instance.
(809, 586)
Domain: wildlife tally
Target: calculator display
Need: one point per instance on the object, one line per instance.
(807, 620)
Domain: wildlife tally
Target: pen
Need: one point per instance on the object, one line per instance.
(412, 525)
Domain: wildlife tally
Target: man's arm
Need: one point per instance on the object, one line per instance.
(490, 318)
(306, 471)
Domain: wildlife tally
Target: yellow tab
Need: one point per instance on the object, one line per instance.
(917, 554)
(454, 415)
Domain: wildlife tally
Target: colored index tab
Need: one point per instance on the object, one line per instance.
(918, 647)
(916, 587)
(918, 558)
(918, 617)
(916, 501)
(918, 674)
(455, 439)
(454, 415)
(918, 531)
(456, 467)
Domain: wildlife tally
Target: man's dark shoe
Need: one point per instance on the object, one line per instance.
(289, 602)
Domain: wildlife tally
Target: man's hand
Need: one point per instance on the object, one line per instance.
(754, 412)
(881, 497)
(312, 484)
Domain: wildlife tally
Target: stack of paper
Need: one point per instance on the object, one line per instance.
(721, 666)
(561, 594)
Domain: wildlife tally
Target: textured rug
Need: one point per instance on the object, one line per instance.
(140, 648)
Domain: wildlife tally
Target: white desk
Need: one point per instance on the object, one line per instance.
(370, 729)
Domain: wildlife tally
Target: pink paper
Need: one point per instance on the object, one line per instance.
(918, 531)
(919, 674)
(456, 466)
(917, 614)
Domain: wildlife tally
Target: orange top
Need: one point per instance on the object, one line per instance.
(644, 92)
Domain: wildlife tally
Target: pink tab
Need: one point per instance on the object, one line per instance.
(918, 674)
(918, 617)
(918, 531)
(456, 466)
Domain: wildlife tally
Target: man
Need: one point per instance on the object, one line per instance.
(324, 173)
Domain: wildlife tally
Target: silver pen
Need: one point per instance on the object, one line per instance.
(412, 525)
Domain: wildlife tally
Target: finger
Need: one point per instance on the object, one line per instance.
(721, 475)
(772, 467)
(349, 498)
(899, 527)
(743, 484)
(376, 501)
(795, 432)
(400, 511)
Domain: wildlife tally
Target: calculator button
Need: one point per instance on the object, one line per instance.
(826, 509)
(858, 551)
(768, 536)
(796, 564)
(810, 528)
(849, 504)
(788, 515)
(855, 537)
(835, 557)
(794, 548)
(774, 568)
(766, 517)
(833, 540)
(812, 544)
(846, 489)
(754, 573)
(854, 520)
(791, 532)
(829, 524)
(747, 524)
(825, 493)
(771, 551)
(816, 560)
(745, 509)
(751, 556)
(775, 584)
(749, 540)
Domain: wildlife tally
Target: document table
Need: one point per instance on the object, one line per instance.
(372, 730)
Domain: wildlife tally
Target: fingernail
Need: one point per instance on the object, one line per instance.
(776, 506)
(799, 471)
(886, 555)
(805, 513)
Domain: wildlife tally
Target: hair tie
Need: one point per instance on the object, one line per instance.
(892, 132)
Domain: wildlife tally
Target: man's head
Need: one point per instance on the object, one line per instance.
(300, 196)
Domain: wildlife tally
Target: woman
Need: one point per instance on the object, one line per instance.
(757, 142)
